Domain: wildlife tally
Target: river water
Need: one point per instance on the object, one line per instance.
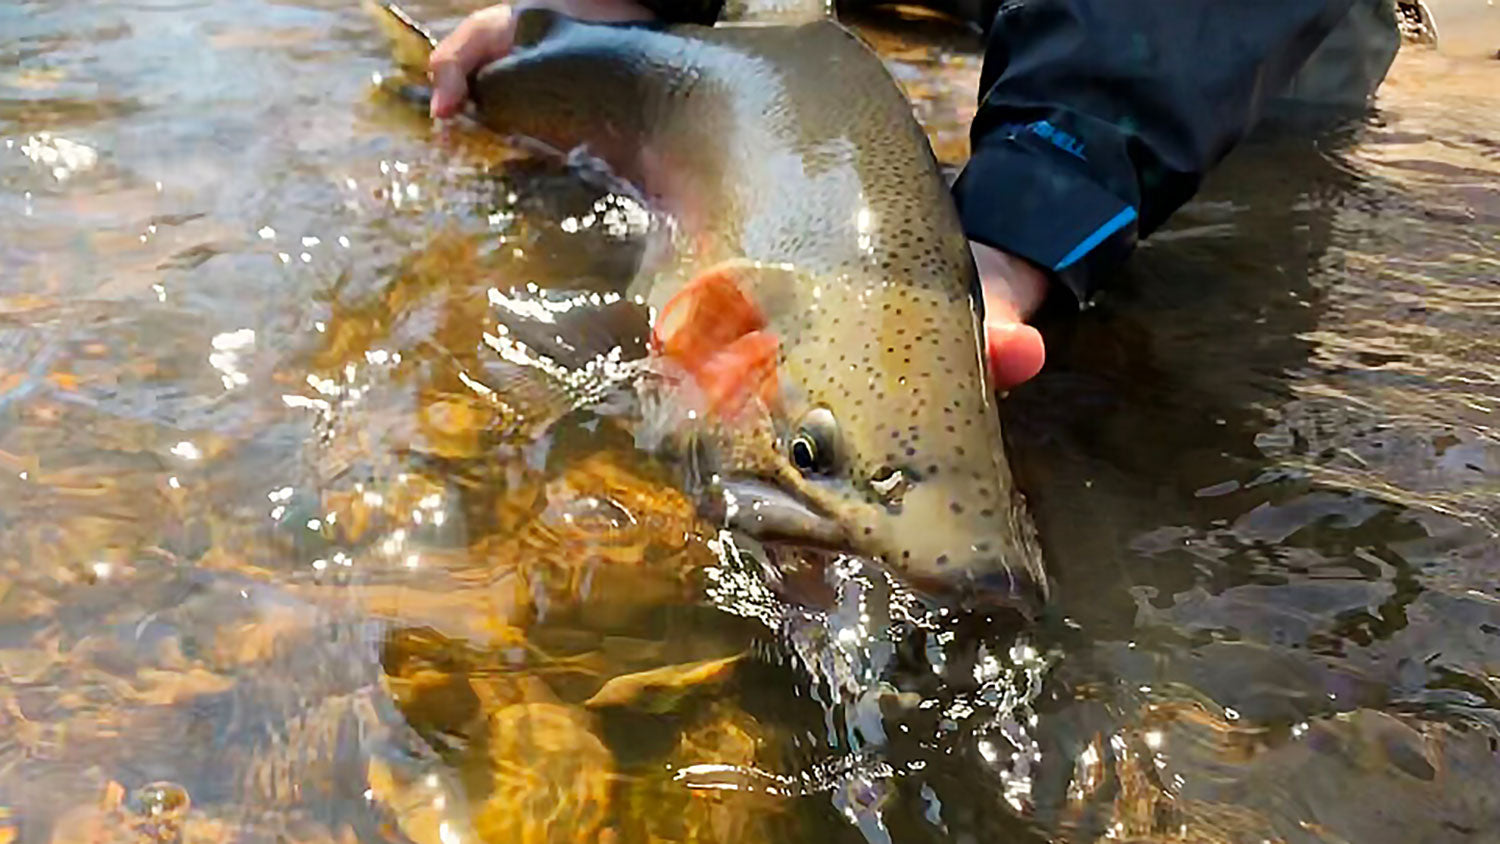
(272, 569)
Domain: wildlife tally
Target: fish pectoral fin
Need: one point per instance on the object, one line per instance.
(533, 392)
(557, 352)
(573, 327)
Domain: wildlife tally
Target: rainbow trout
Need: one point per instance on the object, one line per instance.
(800, 178)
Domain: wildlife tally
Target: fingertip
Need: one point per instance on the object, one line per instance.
(448, 90)
(1016, 353)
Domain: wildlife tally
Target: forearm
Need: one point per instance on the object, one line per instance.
(1099, 118)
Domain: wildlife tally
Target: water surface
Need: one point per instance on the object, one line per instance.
(262, 543)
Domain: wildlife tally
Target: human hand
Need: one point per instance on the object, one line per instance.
(488, 34)
(1013, 290)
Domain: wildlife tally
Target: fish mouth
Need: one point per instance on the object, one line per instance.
(791, 528)
(773, 515)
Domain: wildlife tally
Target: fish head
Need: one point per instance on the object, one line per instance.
(872, 431)
(939, 511)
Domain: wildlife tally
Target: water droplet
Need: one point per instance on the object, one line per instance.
(161, 801)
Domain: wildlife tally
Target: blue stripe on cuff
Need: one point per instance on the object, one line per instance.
(1023, 195)
(1114, 224)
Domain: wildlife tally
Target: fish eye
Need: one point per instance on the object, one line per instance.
(813, 450)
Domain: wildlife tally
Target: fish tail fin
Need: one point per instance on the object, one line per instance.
(411, 44)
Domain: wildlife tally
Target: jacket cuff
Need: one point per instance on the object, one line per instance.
(1026, 191)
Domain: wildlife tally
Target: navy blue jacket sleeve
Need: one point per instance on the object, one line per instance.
(1099, 118)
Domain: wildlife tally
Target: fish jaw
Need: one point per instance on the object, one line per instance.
(772, 515)
(961, 554)
(967, 561)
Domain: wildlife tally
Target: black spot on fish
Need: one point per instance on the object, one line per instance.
(942, 559)
(957, 508)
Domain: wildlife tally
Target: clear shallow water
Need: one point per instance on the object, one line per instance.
(262, 541)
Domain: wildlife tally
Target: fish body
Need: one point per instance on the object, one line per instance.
(794, 166)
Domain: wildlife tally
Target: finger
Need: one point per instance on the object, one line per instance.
(1013, 286)
(1015, 352)
(483, 37)
(449, 90)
